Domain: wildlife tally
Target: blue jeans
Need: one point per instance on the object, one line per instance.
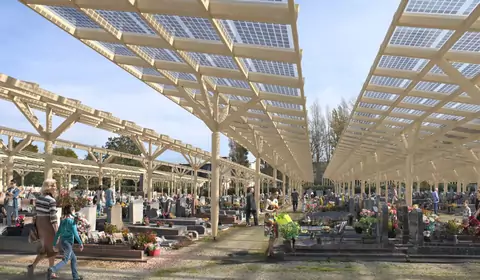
(68, 255)
(11, 211)
(108, 209)
(435, 208)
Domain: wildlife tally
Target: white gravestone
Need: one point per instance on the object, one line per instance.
(116, 215)
(136, 211)
(90, 213)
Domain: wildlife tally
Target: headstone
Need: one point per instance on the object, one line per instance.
(351, 206)
(368, 204)
(420, 229)
(135, 211)
(116, 216)
(414, 225)
(403, 217)
(90, 213)
(384, 219)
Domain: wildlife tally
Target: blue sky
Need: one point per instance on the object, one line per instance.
(339, 40)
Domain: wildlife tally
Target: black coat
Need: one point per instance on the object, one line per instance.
(251, 205)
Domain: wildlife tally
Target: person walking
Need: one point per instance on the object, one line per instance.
(436, 200)
(251, 208)
(67, 233)
(11, 204)
(477, 201)
(100, 199)
(46, 225)
(295, 200)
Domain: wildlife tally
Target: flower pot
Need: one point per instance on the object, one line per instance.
(154, 253)
(427, 239)
(287, 246)
(170, 226)
(358, 230)
(392, 234)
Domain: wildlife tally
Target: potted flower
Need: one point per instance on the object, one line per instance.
(142, 239)
(358, 227)
(153, 249)
(170, 225)
(160, 223)
(392, 229)
(452, 228)
(289, 232)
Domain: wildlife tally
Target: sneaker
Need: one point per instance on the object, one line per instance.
(79, 278)
(30, 271)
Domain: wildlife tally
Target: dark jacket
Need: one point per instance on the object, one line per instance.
(251, 205)
(295, 196)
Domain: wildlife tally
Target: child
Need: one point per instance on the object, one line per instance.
(271, 230)
(467, 212)
(67, 231)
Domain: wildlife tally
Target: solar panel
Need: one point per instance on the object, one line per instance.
(240, 57)
(424, 81)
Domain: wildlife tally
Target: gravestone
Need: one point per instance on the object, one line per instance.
(414, 225)
(368, 204)
(384, 219)
(351, 206)
(116, 216)
(135, 211)
(420, 229)
(403, 217)
(90, 213)
(180, 210)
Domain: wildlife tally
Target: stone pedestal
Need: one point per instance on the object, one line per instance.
(135, 211)
(90, 213)
(116, 216)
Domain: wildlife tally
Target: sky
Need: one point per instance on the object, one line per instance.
(339, 40)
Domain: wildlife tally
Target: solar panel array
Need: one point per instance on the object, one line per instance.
(240, 57)
(421, 97)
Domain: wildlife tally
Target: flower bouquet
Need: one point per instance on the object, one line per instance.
(146, 221)
(20, 221)
(83, 226)
(325, 229)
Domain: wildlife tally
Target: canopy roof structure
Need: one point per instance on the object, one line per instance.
(234, 64)
(247, 172)
(418, 114)
(27, 96)
(34, 162)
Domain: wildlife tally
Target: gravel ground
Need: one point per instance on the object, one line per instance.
(238, 254)
(282, 271)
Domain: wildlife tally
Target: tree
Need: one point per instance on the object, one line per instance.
(32, 178)
(238, 153)
(64, 152)
(338, 122)
(126, 145)
(29, 148)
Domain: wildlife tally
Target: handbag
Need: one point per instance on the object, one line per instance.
(33, 234)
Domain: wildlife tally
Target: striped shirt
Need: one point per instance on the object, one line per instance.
(46, 206)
